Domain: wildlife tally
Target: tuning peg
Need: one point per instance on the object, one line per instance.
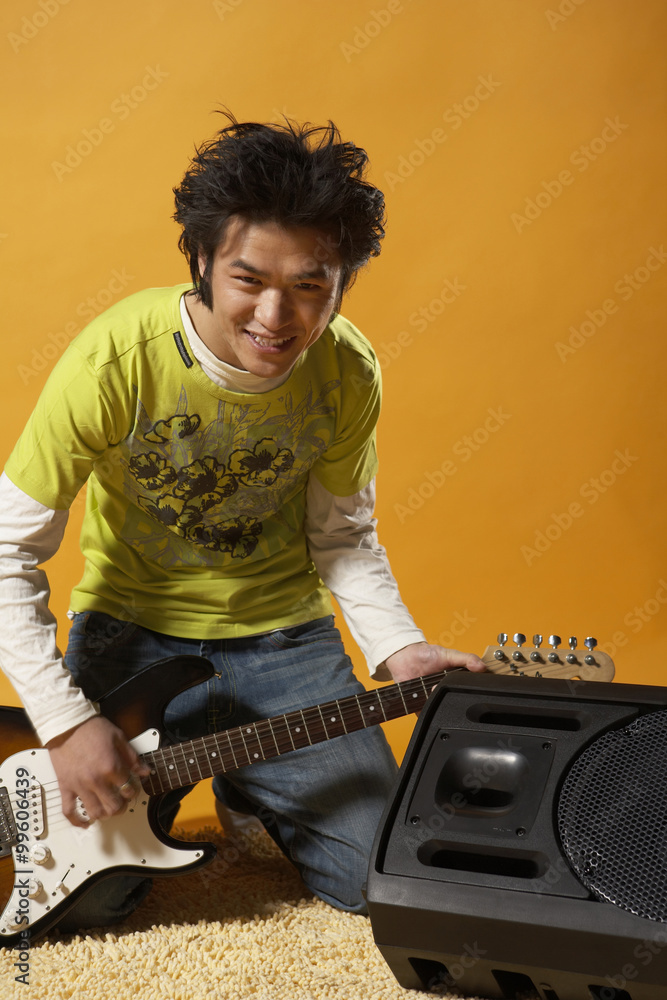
(590, 643)
(519, 638)
(502, 639)
(554, 642)
(572, 642)
(537, 640)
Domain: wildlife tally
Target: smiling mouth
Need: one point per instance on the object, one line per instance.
(269, 341)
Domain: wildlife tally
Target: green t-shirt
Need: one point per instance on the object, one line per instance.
(194, 521)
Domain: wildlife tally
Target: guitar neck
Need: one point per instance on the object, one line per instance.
(187, 763)
(192, 761)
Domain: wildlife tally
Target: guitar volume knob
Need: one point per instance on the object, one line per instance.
(35, 888)
(39, 854)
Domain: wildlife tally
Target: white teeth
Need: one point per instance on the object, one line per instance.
(272, 342)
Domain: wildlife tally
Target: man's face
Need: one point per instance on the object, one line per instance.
(273, 291)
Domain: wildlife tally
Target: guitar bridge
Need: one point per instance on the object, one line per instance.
(8, 838)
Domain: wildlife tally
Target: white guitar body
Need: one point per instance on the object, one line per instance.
(56, 858)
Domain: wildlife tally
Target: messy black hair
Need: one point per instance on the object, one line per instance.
(292, 174)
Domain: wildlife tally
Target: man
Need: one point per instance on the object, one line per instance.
(226, 430)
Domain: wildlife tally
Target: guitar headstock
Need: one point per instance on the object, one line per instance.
(550, 659)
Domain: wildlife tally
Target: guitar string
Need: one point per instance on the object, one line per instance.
(199, 751)
(200, 755)
(202, 752)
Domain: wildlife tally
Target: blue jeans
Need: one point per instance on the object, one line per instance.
(321, 804)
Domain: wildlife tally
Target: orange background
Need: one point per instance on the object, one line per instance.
(517, 307)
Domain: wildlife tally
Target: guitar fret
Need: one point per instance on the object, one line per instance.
(169, 767)
(393, 703)
(231, 747)
(289, 731)
(219, 754)
(332, 719)
(245, 745)
(252, 733)
(192, 760)
(273, 736)
(150, 779)
(214, 754)
(400, 691)
(366, 702)
(297, 730)
(305, 726)
(326, 731)
(355, 714)
(281, 735)
(184, 763)
(381, 704)
(315, 724)
(269, 730)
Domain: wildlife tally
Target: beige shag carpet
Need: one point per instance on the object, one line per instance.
(243, 927)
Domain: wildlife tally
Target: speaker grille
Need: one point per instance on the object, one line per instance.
(612, 817)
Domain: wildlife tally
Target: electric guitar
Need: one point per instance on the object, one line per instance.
(46, 864)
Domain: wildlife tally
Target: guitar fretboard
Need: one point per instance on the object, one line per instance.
(189, 762)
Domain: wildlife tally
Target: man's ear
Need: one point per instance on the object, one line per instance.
(202, 261)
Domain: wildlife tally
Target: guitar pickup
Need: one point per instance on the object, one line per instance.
(35, 797)
(8, 838)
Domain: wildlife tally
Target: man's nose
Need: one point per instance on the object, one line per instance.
(274, 309)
